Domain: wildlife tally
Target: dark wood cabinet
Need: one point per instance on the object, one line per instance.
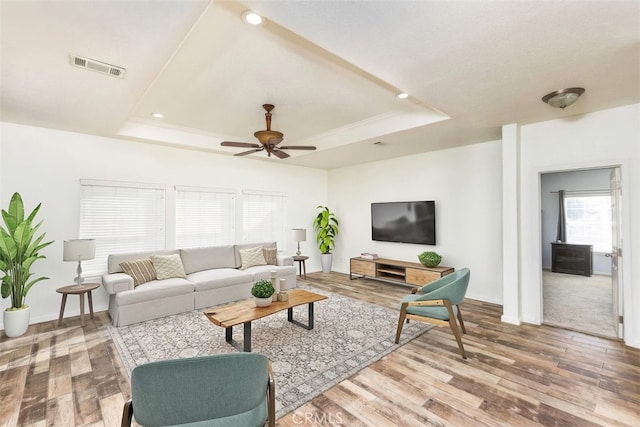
(572, 259)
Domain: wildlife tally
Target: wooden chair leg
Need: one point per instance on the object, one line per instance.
(127, 414)
(464, 331)
(271, 409)
(454, 328)
(403, 315)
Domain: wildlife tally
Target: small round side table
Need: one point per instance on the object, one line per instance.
(301, 264)
(85, 288)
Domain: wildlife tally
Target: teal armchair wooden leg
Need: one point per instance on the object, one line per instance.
(127, 414)
(454, 328)
(464, 331)
(403, 315)
(271, 411)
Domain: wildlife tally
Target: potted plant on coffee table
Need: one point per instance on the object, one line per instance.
(262, 292)
(19, 249)
(326, 226)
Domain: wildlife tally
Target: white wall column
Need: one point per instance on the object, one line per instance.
(511, 289)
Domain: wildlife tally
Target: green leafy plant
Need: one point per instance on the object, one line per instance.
(19, 249)
(326, 226)
(263, 289)
(429, 259)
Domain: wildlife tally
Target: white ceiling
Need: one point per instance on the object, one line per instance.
(331, 69)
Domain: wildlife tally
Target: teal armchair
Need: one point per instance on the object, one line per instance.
(438, 303)
(231, 390)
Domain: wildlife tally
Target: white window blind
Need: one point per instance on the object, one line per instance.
(122, 217)
(588, 218)
(264, 218)
(204, 217)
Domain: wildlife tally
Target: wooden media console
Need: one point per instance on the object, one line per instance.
(403, 272)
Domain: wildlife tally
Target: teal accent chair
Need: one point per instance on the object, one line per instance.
(231, 390)
(437, 303)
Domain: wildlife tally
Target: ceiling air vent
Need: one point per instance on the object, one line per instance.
(100, 67)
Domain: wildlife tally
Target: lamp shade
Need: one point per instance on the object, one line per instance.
(79, 250)
(300, 234)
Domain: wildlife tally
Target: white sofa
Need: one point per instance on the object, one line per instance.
(213, 277)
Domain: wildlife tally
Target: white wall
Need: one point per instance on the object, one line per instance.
(46, 166)
(465, 183)
(602, 139)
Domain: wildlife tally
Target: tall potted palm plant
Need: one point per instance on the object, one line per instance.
(19, 249)
(326, 226)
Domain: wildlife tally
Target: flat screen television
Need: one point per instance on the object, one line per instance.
(405, 222)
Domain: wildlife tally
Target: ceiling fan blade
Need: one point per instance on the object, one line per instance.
(239, 144)
(275, 141)
(244, 153)
(298, 147)
(280, 154)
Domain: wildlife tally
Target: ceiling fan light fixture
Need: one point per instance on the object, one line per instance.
(251, 18)
(563, 98)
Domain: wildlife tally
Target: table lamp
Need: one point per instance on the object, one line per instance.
(299, 235)
(79, 250)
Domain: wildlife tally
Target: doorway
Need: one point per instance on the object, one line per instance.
(580, 296)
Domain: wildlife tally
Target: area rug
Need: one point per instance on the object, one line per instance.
(348, 336)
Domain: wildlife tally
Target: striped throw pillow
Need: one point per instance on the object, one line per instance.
(141, 270)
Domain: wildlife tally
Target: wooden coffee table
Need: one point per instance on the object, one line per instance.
(245, 312)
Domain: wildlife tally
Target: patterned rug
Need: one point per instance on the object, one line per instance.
(348, 336)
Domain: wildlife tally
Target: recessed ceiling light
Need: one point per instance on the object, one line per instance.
(250, 17)
(402, 95)
(157, 115)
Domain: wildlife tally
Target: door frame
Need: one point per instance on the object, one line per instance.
(569, 190)
(536, 244)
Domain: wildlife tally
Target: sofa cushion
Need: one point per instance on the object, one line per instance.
(114, 260)
(199, 259)
(218, 278)
(264, 271)
(155, 289)
(168, 266)
(141, 270)
(251, 257)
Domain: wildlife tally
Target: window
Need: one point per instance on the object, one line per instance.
(588, 217)
(122, 217)
(264, 218)
(204, 217)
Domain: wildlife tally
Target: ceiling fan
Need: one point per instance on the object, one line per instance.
(269, 140)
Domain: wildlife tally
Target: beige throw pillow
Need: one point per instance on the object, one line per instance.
(141, 270)
(168, 266)
(252, 257)
(270, 255)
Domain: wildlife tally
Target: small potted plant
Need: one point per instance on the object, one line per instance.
(429, 259)
(262, 292)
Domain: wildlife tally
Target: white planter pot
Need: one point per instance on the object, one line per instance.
(263, 302)
(326, 260)
(16, 322)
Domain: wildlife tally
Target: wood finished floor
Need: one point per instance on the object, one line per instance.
(515, 375)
